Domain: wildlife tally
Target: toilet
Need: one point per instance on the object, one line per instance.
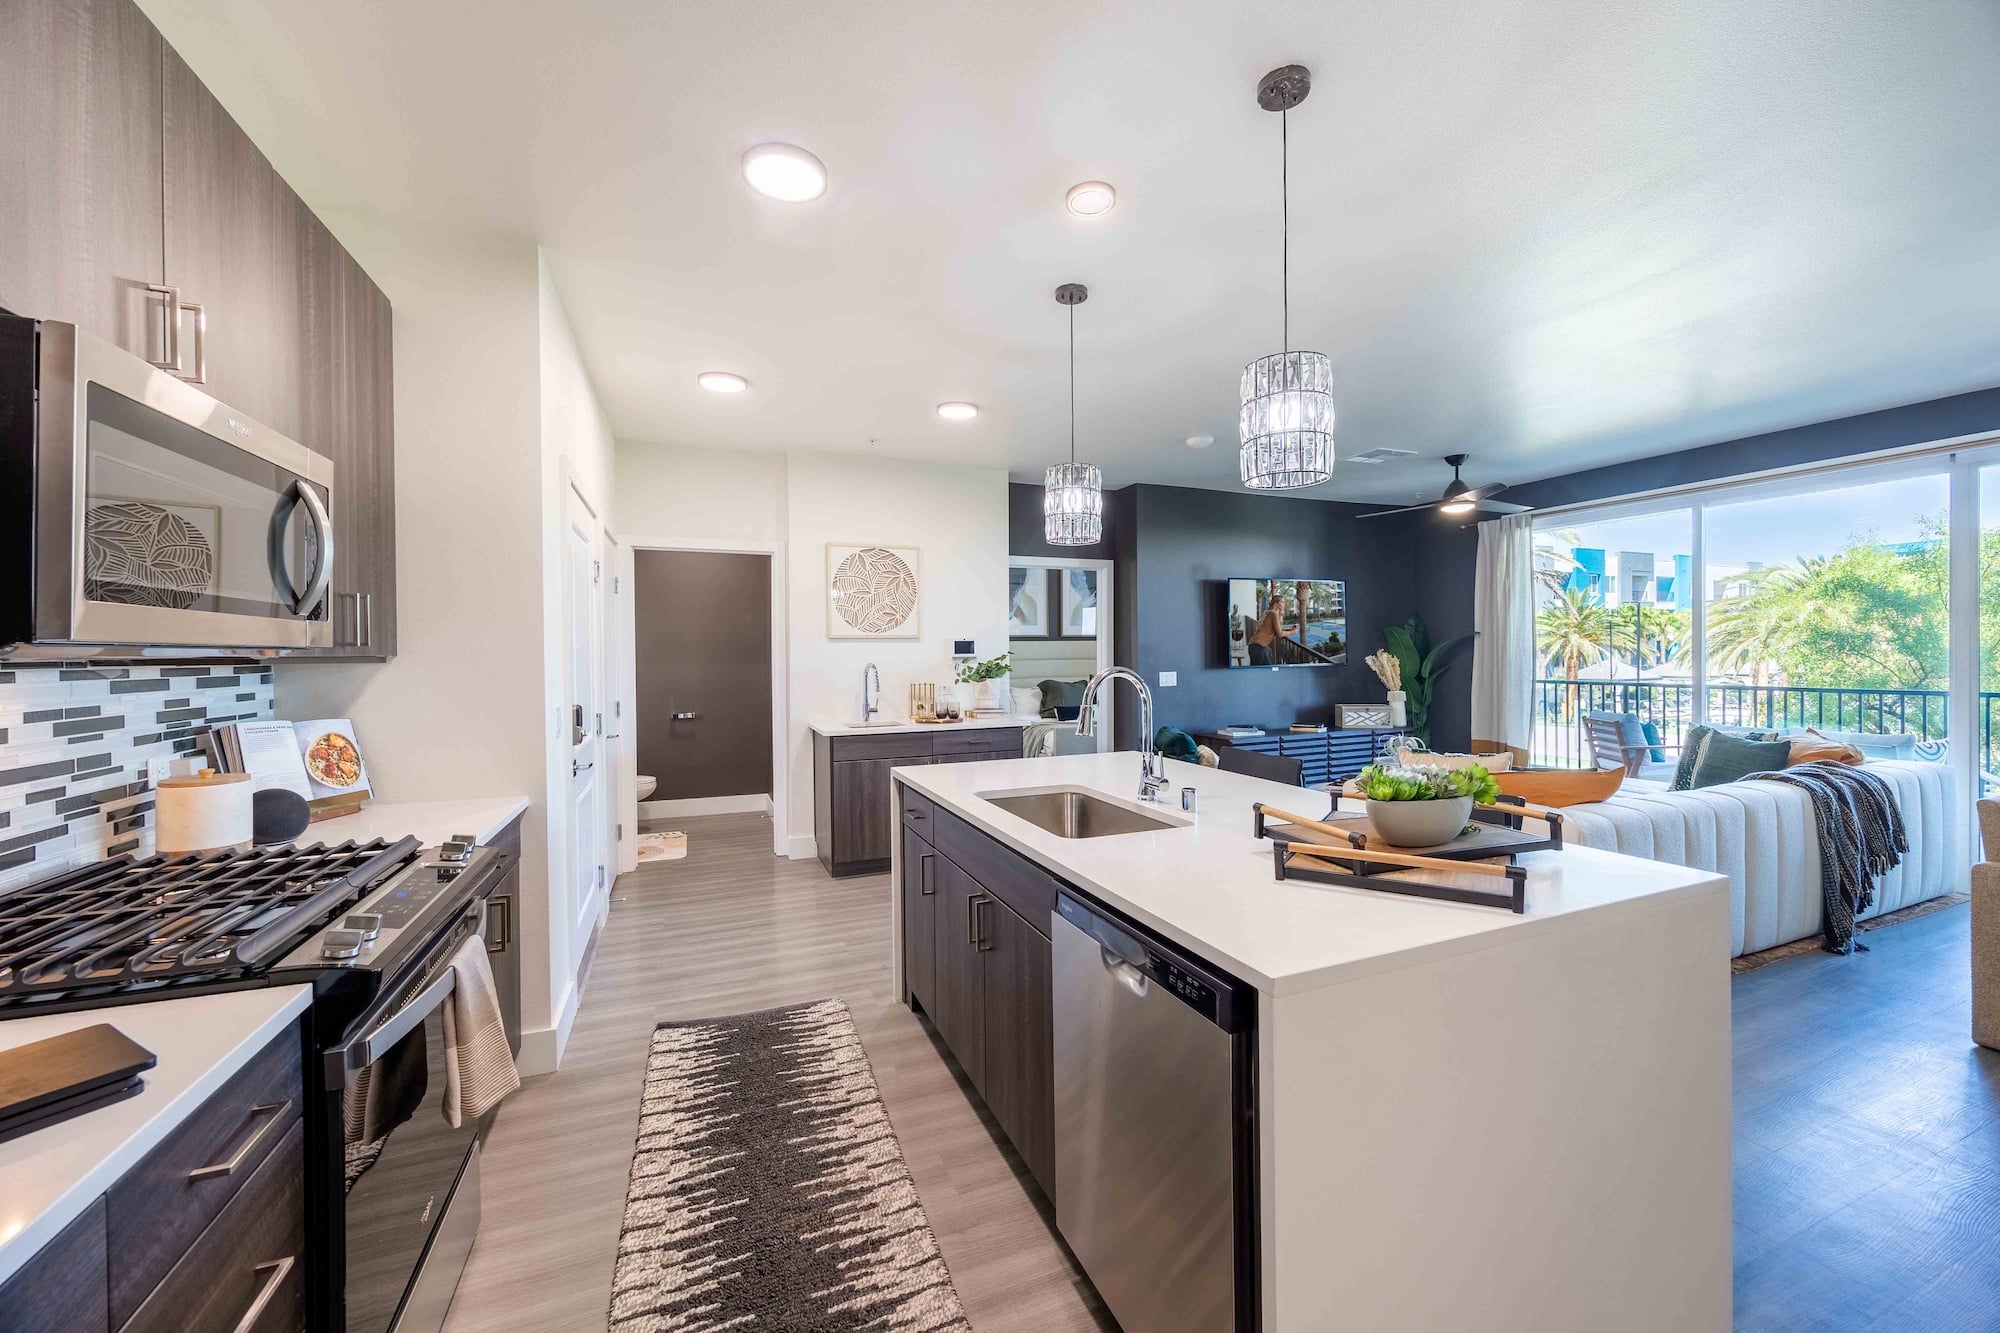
(646, 786)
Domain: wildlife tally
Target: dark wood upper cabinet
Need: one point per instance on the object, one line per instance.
(80, 210)
(348, 416)
(234, 244)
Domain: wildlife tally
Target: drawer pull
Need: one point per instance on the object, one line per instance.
(278, 1269)
(276, 1112)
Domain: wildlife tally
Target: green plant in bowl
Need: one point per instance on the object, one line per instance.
(1421, 806)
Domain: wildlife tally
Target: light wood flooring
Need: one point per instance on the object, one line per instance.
(730, 929)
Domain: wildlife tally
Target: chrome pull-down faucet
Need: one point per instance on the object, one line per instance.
(1152, 774)
(871, 704)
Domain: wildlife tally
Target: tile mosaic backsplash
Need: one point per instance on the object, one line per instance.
(75, 741)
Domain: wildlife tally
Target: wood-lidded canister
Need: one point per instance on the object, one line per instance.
(203, 812)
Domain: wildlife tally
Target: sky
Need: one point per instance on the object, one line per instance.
(1780, 531)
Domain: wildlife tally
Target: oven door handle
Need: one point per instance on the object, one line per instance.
(323, 566)
(358, 1052)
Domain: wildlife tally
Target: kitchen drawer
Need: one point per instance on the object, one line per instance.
(61, 1289)
(891, 745)
(1001, 871)
(160, 1206)
(247, 1270)
(917, 813)
(986, 740)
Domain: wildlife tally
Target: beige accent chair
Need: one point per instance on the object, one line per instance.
(1986, 930)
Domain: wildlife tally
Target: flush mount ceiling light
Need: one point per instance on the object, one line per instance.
(1073, 495)
(1090, 199)
(1286, 422)
(1200, 441)
(721, 381)
(784, 172)
(958, 411)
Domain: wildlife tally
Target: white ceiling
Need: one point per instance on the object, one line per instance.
(1549, 234)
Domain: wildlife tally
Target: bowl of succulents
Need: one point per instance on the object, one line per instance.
(1422, 806)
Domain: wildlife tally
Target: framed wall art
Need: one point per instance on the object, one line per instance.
(873, 592)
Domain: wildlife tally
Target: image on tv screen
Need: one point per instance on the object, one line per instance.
(1287, 622)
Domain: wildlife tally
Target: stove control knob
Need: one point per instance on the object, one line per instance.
(340, 945)
(367, 924)
(457, 849)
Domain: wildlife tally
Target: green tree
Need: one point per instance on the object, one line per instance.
(1571, 632)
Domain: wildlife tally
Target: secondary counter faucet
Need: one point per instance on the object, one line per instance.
(1152, 776)
(870, 705)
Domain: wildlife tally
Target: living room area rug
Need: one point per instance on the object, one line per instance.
(1750, 962)
(768, 1190)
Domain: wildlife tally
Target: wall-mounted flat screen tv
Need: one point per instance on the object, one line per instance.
(1286, 622)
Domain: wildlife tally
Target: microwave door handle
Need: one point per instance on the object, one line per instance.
(322, 567)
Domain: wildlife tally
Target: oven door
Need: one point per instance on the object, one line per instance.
(164, 518)
(410, 1178)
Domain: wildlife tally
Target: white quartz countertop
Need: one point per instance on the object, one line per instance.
(48, 1176)
(971, 724)
(1210, 886)
(429, 822)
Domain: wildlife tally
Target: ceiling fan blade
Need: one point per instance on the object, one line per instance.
(1406, 509)
(1490, 489)
(1502, 507)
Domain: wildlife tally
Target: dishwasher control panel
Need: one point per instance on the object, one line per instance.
(1198, 994)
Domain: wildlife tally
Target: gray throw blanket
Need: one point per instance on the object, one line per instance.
(1861, 838)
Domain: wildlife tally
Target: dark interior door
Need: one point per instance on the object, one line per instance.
(703, 672)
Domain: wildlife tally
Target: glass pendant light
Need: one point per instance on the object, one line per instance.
(1286, 422)
(1073, 496)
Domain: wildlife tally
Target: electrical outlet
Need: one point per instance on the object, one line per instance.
(161, 766)
(1168, 678)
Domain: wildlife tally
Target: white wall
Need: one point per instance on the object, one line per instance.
(668, 491)
(955, 516)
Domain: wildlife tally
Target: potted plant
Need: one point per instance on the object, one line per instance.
(983, 684)
(1423, 807)
(1419, 666)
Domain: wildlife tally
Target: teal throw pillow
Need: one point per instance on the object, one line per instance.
(1728, 758)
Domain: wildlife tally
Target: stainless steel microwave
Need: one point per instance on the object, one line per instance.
(139, 515)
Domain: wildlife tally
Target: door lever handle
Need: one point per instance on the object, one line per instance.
(686, 717)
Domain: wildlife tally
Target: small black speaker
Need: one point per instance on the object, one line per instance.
(277, 815)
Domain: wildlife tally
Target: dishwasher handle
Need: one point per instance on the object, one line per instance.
(1130, 977)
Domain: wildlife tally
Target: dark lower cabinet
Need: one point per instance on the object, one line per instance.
(61, 1289)
(960, 1011)
(205, 1235)
(854, 817)
(920, 876)
(1018, 1041)
(976, 959)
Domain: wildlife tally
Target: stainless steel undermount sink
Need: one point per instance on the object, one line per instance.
(1072, 812)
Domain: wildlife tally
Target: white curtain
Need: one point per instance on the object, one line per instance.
(1503, 656)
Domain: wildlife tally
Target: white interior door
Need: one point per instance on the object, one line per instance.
(582, 573)
(621, 740)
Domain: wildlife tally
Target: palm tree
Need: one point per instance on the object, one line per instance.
(1570, 632)
(1756, 629)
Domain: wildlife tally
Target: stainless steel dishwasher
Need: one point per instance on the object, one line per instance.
(1156, 1155)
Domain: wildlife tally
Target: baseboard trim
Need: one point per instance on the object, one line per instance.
(802, 848)
(542, 1048)
(751, 804)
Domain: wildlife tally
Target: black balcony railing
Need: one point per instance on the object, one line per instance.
(1669, 705)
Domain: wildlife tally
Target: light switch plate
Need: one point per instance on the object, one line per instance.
(1168, 678)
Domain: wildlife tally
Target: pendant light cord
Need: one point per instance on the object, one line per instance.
(1285, 213)
(1072, 385)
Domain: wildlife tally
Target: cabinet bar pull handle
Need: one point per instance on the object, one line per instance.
(172, 360)
(200, 375)
(365, 614)
(972, 920)
(928, 873)
(276, 1112)
(985, 945)
(279, 1270)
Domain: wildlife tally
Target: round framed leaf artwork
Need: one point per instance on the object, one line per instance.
(872, 592)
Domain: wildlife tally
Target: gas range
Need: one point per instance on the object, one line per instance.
(373, 928)
(133, 929)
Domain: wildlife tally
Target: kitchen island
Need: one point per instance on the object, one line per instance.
(1463, 1118)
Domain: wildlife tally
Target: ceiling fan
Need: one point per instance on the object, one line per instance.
(1459, 498)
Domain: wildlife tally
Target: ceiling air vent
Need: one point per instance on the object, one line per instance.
(1380, 456)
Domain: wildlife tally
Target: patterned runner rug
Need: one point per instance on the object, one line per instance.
(768, 1191)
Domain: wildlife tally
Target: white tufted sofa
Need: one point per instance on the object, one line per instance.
(1763, 836)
